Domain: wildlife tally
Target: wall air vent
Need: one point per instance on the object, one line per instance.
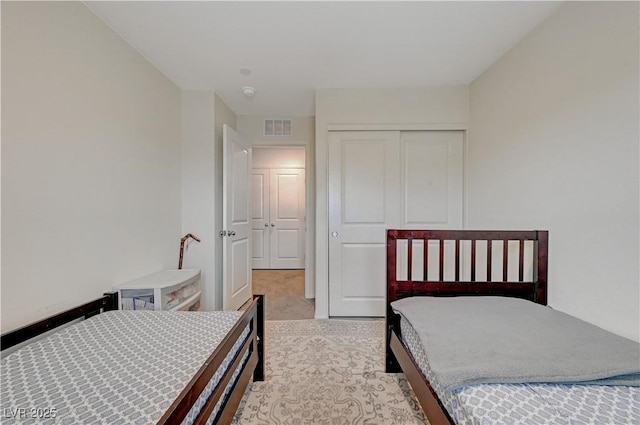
(278, 127)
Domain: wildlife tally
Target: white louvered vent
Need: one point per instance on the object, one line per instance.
(278, 127)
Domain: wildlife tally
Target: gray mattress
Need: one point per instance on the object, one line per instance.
(121, 367)
(530, 404)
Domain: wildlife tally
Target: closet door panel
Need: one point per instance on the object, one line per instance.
(287, 218)
(432, 193)
(260, 178)
(431, 179)
(363, 200)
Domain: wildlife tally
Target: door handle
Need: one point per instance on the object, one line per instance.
(334, 234)
(273, 225)
(266, 224)
(231, 233)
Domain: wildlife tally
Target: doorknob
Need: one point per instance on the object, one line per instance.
(334, 234)
(273, 225)
(266, 224)
(231, 233)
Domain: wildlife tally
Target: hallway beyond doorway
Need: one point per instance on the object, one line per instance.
(284, 294)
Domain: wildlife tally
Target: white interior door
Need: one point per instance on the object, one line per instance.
(278, 218)
(381, 180)
(260, 229)
(287, 218)
(431, 186)
(364, 181)
(236, 220)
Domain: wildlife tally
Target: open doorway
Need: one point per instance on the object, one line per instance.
(278, 184)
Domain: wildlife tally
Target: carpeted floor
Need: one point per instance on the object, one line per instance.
(284, 294)
(328, 372)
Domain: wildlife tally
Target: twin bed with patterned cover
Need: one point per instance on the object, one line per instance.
(503, 357)
(133, 367)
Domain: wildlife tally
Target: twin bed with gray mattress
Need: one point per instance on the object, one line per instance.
(503, 357)
(135, 367)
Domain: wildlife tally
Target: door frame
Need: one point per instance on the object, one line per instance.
(310, 193)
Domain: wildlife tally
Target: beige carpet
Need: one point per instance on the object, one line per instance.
(284, 290)
(328, 372)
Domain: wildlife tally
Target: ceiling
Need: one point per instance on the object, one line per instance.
(296, 48)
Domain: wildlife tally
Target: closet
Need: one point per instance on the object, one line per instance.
(278, 218)
(380, 180)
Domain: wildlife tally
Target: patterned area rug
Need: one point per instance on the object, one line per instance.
(328, 372)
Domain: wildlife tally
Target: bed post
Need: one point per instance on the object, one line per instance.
(393, 323)
(258, 373)
(111, 301)
(540, 266)
(392, 319)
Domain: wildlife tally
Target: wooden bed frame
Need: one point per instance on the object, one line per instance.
(398, 357)
(254, 366)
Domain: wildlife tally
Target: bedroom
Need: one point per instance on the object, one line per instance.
(552, 127)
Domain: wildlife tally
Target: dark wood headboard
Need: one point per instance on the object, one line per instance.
(534, 289)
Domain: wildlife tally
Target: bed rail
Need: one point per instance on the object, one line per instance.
(248, 361)
(253, 367)
(108, 302)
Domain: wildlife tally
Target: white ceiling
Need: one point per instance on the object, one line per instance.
(295, 48)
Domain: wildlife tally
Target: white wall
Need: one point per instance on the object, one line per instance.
(554, 145)
(251, 127)
(198, 189)
(90, 161)
(435, 108)
(203, 115)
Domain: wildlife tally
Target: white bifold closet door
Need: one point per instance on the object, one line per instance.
(278, 219)
(380, 180)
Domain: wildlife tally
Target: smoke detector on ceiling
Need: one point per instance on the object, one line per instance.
(248, 91)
